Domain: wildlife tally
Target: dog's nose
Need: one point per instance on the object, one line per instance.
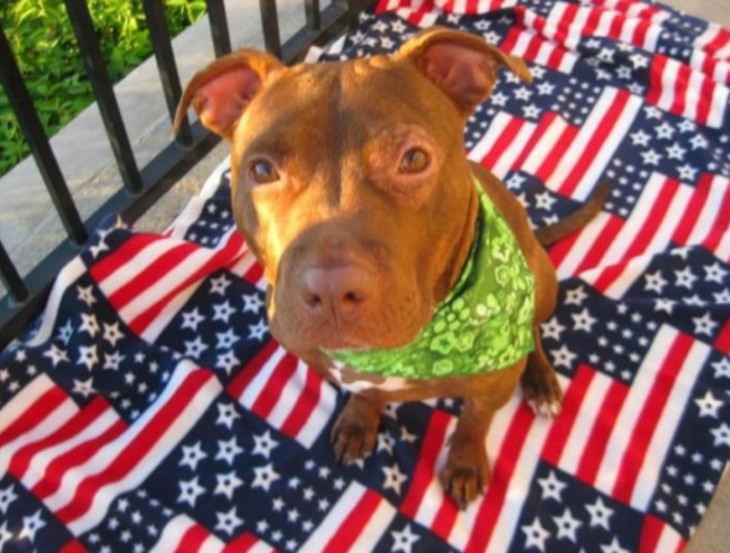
(341, 291)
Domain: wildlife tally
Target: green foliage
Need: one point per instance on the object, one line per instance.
(47, 53)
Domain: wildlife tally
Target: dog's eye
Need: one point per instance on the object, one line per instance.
(263, 172)
(414, 160)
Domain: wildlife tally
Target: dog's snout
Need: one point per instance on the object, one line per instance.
(339, 291)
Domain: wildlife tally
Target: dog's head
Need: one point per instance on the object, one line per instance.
(349, 181)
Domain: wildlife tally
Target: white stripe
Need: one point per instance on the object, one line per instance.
(545, 146)
(651, 40)
(692, 96)
(460, 6)
(173, 533)
(707, 218)
(138, 264)
(171, 309)
(669, 539)
(603, 156)
(668, 83)
(66, 278)
(512, 151)
(287, 397)
(585, 420)
(522, 43)
(320, 416)
(723, 248)
(334, 519)
(176, 275)
(661, 440)
(636, 399)
(52, 421)
(39, 464)
(633, 270)
(244, 264)
(373, 531)
(20, 403)
(707, 37)
(676, 211)
(495, 130)
(628, 30)
(604, 23)
(258, 383)
(575, 32)
(720, 96)
(553, 19)
(583, 244)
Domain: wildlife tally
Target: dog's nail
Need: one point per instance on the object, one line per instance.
(533, 406)
(555, 408)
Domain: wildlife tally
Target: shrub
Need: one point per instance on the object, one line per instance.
(47, 53)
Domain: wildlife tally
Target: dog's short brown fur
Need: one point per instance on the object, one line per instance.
(350, 183)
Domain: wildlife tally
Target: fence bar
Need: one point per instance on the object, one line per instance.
(10, 277)
(219, 28)
(270, 24)
(35, 136)
(311, 10)
(83, 27)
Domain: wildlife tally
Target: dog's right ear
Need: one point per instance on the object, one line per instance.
(220, 93)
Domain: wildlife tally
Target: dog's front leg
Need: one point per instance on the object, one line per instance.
(356, 430)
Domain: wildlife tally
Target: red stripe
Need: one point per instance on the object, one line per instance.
(222, 256)
(606, 126)
(503, 141)
(649, 417)
(651, 532)
(443, 522)
(122, 255)
(533, 48)
(34, 415)
(600, 246)
(617, 27)
(572, 400)
(598, 440)
(719, 42)
(510, 41)
(556, 153)
(723, 339)
(540, 131)
(722, 220)
(74, 546)
(472, 7)
(563, 27)
(242, 380)
(681, 84)
(556, 57)
(138, 447)
(354, 523)
(78, 423)
(704, 105)
(192, 539)
(655, 78)
(560, 250)
(591, 22)
(306, 404)
(272, 391)
(694, 207)
(610, 274)
(57, 469)
(244, 542)
(504, 467)
(254, 274)
(640, 33)
(425, 469)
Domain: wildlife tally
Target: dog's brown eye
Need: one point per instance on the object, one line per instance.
(415, 160)
(263, 172)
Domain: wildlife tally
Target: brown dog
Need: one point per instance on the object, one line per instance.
(350, 184)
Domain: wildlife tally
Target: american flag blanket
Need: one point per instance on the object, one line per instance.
(149, 409)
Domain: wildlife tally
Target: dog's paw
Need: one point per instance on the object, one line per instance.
(465, 475)
(542, 391)
(355, 432)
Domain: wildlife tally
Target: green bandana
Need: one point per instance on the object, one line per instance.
(485, 323)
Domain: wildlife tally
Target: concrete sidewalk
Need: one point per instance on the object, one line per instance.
(30, 229)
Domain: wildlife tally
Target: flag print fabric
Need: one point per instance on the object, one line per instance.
(149, 409)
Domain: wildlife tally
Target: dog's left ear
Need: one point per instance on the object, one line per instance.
(463, 65)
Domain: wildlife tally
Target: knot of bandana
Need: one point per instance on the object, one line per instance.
(483, 325)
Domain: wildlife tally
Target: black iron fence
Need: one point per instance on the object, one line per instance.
(141, 186)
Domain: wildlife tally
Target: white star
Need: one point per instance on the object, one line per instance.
(544, 201)
(545, 88)
(5, 536)
(575, 296)
(219, 285)
(551, 487)
(227, 414)
(600, 514)
(227, 450)
(65, 333)
(252, 303)
(112, 334)
(223, 311)
(583, 321)
(393, 478)
(714, 273)
(704, 324)
(264, 444)
(664, 131)
(83, 387)
(664, 305)
(264, 477)
(655, 282)
(258, 331)
(614, 547)
(7, 496)
(563, 357)
(227, 484)
(191, 319)
(498, 99)
(190, 491)
(89, 324)
(684, 278)
(687, 172)
(86, 294)
(406, 436)
(567, 525)
(640, 138)
(675, 151)
(552, 329)
(385, 442)
(192, 455)
(227, 361)
(722, 297)
(721, 434)
(404, 539)
(639, 61)
(88, 356)
(31, 525)
(535, 535)
(652, 112)
(226, 339)
(227, 522)
(698, 141)
(531, 111)
(193, 348)
(651, 157)
(722, 368)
